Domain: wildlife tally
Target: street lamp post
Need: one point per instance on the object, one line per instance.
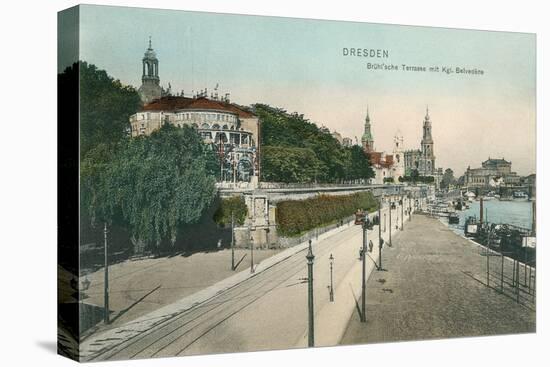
(364, 272)
(221, 155)
(106, 281)
(251, 249)
(410, 209)
(311, 331)
(389, 242)
(402, 210)
(232, 241)
(331, 293)
(380, 240)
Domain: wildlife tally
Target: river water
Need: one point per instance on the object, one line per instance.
(518, 213)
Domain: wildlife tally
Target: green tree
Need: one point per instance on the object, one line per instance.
(105, 105)
(448, 178)
(153, 185)
(414, 175)
(234, 205)
(285, 164)
(359, 166)
(334, 162)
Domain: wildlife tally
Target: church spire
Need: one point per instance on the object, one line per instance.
(367, 140)
(150, 47)
(367, 118)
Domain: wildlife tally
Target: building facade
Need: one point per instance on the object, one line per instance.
(347, 142)
(386, 167)
(492, 173)
(229, 129)
(423, 159)
(336, 135)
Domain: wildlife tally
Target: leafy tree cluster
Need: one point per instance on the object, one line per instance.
(231, 206)
(290, 164)
(297, 216)
(151, 187)
(297, 150)
(448, 179)
(105, 106)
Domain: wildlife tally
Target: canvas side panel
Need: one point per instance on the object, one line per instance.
(68, 182)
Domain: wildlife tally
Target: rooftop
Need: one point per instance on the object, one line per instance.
(176, 103)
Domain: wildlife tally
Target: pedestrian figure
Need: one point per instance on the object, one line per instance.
(220, 243)
(370, 246)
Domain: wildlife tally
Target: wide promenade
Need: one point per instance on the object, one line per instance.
(434, 286)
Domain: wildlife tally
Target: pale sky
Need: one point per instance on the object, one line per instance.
(298, 65)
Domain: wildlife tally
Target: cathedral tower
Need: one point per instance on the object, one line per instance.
(367, 139)
(427, 158)
(150, 82)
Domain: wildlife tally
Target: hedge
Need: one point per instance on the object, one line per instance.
(234, 204)
(421, 179)
(297, 216)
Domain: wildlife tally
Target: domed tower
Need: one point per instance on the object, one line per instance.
(367, 140)
(427, 162)
(150, 82)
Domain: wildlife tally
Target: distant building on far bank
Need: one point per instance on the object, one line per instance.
(493, 172)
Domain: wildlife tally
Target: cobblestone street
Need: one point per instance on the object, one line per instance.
(433, 286)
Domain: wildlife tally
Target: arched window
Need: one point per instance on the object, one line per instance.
(225, 127)
(216, 127)
(204, 126)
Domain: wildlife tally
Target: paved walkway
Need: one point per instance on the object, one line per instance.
(433, 287)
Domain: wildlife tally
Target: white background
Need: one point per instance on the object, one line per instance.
(28, 182)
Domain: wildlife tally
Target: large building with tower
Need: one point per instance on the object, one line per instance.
(231, 130)
(492, 173)
(401, 163)
(386, 167)
(422, 160)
